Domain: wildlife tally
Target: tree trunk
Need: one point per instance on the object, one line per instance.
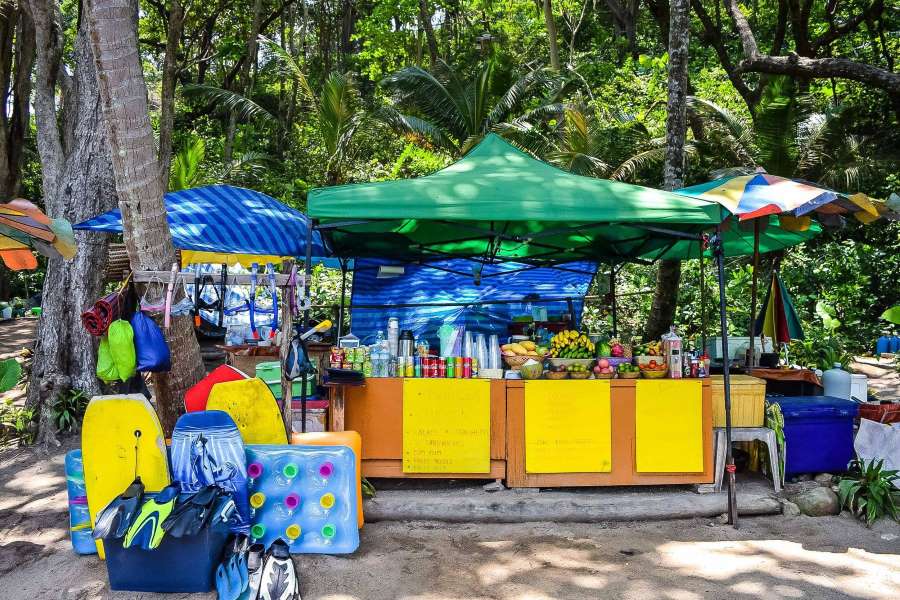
(169, 79)
(425, 21)
(551, 34)
(665, 298)
(123, 98)
(78, 184)
(17, 48)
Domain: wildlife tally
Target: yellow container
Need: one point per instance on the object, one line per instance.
(748, 399)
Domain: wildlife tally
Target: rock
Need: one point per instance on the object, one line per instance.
(789, 509)
(818, 502)
(824, 479)
(494, 486)
(802, 477)
(722, 519)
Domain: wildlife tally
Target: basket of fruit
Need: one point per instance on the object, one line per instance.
(628, 371)
(532, 369)
(651, 352)
(518, 353)
(604, 369)
(654, 373)
(578, 371)
(555, 374)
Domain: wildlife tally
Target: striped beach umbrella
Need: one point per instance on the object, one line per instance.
(24, 228)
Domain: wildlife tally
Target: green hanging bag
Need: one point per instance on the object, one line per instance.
(121, 348)
(106, 368)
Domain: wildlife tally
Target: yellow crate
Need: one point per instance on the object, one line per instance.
(748, 398)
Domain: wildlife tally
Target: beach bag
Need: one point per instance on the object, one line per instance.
(150, 346)
(121, 348)
(106, 368)
(296, 363)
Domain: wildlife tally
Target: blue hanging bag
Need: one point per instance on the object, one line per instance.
(150, 345)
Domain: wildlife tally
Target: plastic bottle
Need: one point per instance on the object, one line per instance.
(883, 345)
(393, 336)
(837, 382)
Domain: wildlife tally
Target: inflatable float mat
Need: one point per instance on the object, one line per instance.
(196, 397)
(253, 408)
(79, 516)
(113, 455)
(338, 438)
(305, 495)
(207, 449)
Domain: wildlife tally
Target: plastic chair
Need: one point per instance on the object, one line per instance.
(747, 434)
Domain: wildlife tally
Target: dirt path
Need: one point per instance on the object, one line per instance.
(770, 557)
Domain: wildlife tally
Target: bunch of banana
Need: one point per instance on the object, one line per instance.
(571, 344)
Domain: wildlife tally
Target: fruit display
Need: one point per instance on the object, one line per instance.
(578, 371)
(571, 344)
(603, 367)
(557, 372)
(526, 348)
(532, 369)
(628, 370)
(649, 349)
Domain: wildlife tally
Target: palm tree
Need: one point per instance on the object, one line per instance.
(454, 112)
(790, 138)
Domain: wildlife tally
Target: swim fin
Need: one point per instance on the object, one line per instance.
(256, 556)
(115, 519)
(146, 531)
(279, 578)
(192, 513)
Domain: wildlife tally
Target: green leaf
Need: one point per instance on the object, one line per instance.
(10, 373)
(892, 314)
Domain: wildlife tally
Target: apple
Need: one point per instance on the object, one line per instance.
(602, 363)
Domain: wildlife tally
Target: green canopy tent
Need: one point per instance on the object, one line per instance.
(499, 204)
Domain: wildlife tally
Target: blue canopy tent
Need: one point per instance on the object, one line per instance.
(224, 224)
(428, 295)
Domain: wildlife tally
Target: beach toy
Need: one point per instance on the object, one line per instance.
(304, 496)
(79, 515)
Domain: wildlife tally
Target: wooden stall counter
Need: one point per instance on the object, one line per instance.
(447, 418)
(609, 432)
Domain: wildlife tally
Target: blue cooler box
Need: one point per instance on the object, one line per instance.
(818, 433)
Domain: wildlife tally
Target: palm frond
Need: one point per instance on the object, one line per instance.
(417, 87)
(186, 165)
(739, 132)
(523, 87)
(229, 101)
(244, 165)
(288, 66)
(415, 126)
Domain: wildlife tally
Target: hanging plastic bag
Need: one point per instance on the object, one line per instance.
(150, 346)
(106, 368)
(121, 348)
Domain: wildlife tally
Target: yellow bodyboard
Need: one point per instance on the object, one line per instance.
(568, 427)
(446, 426)
(108, 449)
(669, 426)
(253, 408)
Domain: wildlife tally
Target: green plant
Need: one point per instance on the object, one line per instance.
(10, 374)
(19, 422)
(368, 490)
(870, 491)
(68, 408)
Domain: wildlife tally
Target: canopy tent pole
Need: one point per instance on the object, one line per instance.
(307, 266)
(612, 295)
(340, 323)
(753, 293)
(287, 326)
(703, 316)
(719, 252)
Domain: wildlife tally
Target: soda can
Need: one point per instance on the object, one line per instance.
(467, 367)
(441, 367)
(417, 367)
(367, 368)
(451, 367)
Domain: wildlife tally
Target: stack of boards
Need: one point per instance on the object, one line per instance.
(122, 439)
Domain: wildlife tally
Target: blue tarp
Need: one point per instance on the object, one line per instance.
(227, 219)
(528, 287)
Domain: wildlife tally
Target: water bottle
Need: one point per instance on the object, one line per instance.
(393, 336)
(883, 345)
(837, 382)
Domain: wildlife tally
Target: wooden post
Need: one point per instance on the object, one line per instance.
(287, 331)
(753, 293)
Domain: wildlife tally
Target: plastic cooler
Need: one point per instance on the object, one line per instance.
(187, 564)
(748, 400)
(818, 433)
(270, 372)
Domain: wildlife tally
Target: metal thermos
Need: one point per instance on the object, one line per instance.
(407, 344)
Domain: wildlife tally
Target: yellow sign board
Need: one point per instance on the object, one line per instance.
(669, 426)
(446, 426)
(568, 427)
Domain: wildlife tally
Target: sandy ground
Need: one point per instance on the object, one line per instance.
(769, 557)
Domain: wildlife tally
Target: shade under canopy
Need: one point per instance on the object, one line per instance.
(499, 203)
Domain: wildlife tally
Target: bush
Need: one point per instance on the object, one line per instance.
(869, 491)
